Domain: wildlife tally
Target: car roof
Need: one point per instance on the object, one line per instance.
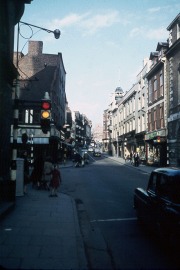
(171, 171)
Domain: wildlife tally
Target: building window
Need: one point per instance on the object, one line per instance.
(170, 37)
(28, 116)
(150, 92)
(134, 124)
(139, 103)
(21, 116)
(127, 108)
(161, 84)
(127, 126)
(143, 123)
(178, 31)
(155, 88)
(124, 112)
(150, 121)
(130, 125)
(155, 120)
(143, 100)
(161, 116)
(133, 104)
(139, 124)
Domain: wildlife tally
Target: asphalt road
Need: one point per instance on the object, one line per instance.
(113, 238)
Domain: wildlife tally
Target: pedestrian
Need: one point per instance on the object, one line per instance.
(55, 181)
(64, 158)
(37, 173)
(47, 172)
(26, 171)
(77, 159)
(131, 156)
(136, 160)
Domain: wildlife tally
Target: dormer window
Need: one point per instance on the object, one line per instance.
(170, 37)
(178, 31)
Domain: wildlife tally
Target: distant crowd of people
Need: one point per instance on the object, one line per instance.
(133, 158)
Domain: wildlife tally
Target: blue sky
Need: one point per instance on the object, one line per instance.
(103, 43)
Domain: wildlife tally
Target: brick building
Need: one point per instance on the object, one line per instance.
(173, 66)
(156, 136)
(41, 73)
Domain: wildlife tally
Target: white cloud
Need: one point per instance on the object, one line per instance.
(88, 22)
(152, 34)
(155, 9)
(99, 21)
(136, 32)
(157, 34)
(70, 20)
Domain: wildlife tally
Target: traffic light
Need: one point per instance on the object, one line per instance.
(45, 115)
(158, 139)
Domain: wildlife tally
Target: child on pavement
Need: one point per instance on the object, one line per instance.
(55, 181)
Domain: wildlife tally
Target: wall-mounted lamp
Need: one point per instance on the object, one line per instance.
(56, 32)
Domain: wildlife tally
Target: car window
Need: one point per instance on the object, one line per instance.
(174, 189)
(163, 186)
(169, 188)
(153, 182)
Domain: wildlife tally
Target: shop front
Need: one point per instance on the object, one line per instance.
(156, 148)
(141, 147)
(129, 144)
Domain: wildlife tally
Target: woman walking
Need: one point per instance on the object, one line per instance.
(47, 173)
(55, 181)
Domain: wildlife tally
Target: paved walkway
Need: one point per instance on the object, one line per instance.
(147, 169)
(42, 233)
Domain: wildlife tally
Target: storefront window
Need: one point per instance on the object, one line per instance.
(153, 155)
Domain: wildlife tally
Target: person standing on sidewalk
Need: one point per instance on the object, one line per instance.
(136, 160)
(47, 172)
(55, 181)
(36, 176)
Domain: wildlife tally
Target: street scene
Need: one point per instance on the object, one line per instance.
(90, 225)
(90, 134)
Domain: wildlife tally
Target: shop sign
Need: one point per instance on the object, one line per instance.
(154, 134)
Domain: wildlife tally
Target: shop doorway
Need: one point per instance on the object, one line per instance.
(178, 148)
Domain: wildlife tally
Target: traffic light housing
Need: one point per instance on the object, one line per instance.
(45, 115)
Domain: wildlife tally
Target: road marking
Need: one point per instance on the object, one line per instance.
(113, 219)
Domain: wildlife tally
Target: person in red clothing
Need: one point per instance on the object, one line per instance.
(55, 181)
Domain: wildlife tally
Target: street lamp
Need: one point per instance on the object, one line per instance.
(56, 33)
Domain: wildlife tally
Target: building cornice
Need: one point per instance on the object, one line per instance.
(173, 48)
(154, 69)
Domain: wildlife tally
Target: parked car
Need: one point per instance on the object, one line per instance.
(97, 153)
(159, 205)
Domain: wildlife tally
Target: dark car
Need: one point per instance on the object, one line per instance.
(159, 205)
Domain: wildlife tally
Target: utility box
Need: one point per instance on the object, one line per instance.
(20, 177)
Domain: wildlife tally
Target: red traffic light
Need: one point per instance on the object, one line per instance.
(46, 105)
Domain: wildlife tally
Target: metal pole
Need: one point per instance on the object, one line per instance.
(15, 118)
(15, 132)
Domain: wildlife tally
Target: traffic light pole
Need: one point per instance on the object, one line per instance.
(15, 131)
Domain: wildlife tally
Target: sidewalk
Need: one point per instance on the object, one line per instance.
(42, 233)
(144, 168)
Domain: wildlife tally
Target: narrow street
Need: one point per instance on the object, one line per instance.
(113, 239)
